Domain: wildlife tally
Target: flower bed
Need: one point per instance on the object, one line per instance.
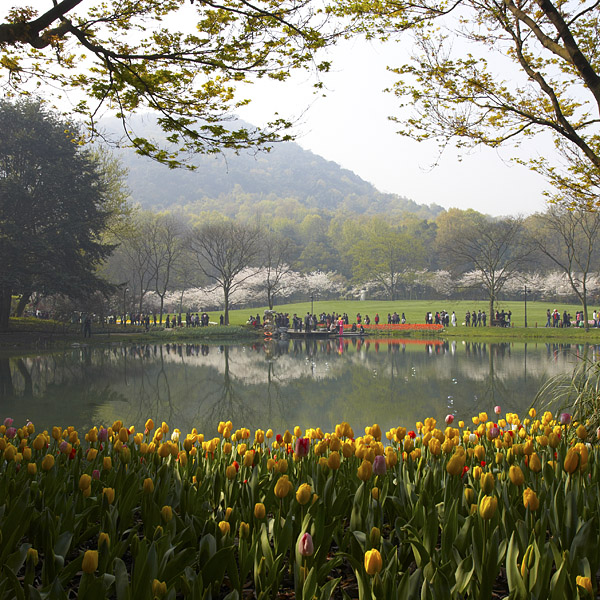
(496, 508)
(404, 327)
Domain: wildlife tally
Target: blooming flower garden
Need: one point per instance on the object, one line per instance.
(487, 509)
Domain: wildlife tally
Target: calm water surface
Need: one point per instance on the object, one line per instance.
(279, 384)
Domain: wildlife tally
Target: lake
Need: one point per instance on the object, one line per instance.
(278, 384)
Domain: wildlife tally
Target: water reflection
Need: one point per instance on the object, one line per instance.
(279, 383)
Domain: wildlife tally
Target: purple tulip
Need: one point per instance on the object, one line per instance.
(11, 432)
(8, 422)
(63, 446)
(302, 447)
(305, 545)
(103, 434)
(379, 466)
(494, 432)
(565, 418)
(96, 474)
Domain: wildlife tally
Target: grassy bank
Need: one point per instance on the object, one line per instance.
(40, 334)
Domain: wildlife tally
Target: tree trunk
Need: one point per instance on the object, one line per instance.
(23, 300)
(270, 299)
(162, 305)
(491, 315)
(226, 296)
(586, 325)
(5, 302)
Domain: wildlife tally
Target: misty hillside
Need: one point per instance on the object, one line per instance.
(232, 183)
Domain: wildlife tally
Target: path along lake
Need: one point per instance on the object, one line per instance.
(279, 384)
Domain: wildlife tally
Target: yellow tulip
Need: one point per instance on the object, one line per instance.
(90, 561)
(48, 462)
(456, 463)
(109, 494)
(375, 493)
(166, 513)
(224, 527)
(159, 589)
(85, 481)
(365, 470)
(334, 461)
(32, 468)
(530, 499)
(107, 463)
(373, 561)
(581, 432)
(516, 475)
(103, 539)
(244, 530)
(303, 494)
(283, 487)
(535, 464)
(231, 472)
(148, 485)
(375, 536)
(259, 511)
(487, 483)
(487, 507)
(585, 583)
(571, 461)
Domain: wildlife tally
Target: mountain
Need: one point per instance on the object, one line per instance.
(232, 183)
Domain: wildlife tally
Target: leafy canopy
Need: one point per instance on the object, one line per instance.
(181, 60)
(495, 72)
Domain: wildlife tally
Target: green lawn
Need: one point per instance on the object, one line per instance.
(414, 310)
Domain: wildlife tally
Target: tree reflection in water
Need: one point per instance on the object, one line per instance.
(278, 383)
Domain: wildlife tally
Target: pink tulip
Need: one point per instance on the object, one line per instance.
(565, 418)
(96, 474)
(103, 434)
(8, 422)
(494, 432)
(449, 419)
(11, 432)
(305, 545)
(302, 447)
(379, 466)
(497, 410)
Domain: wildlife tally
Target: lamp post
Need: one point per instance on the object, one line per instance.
(312, 304)
(525, 306)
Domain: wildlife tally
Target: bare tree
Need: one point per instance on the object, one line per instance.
(164, 236)
(275, 258)
(493, 250)
(569, 238)
(223, 251)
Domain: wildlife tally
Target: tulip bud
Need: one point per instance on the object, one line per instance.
(224, 528)
(487, 483)
(379, 466)
(90, 561)
(159, 589)
(571, 461)
(148, 486)
(365, 470)
(244, 530)
(375, 537)
(48, 462)
(530, 500)
(109, 494)
(103, 539)
(487, 507)
(305, 545)
(303, 494)
(375, 493)
(334, 461)
(283, 487)
(516, 475)
(259, 511)
(32, 556)
(373, 562)
(166, 513)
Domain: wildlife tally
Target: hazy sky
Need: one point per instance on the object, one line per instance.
(350, 126)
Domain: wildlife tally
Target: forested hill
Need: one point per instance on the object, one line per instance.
(240, 185)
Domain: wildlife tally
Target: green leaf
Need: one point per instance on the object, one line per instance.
(513, 575)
